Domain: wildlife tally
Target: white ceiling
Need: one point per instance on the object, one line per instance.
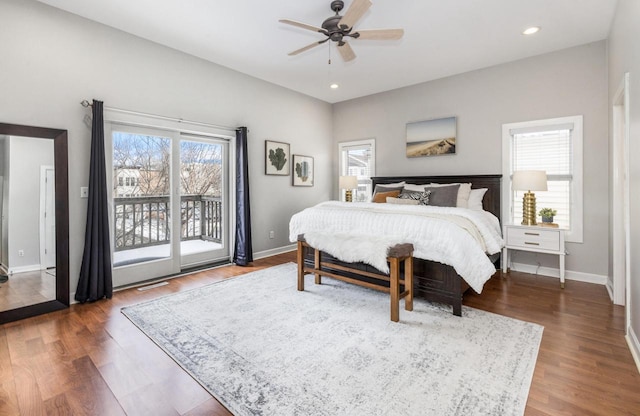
(442, 37)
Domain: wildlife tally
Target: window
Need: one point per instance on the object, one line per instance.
(358, 158)
(555, 146)
(120, 181)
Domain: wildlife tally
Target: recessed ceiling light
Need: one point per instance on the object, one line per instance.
(334, 86)
(531, 30)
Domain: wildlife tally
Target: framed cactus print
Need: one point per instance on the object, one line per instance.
(276, 158)
(302, 170)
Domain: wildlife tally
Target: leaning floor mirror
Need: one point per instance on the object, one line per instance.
(34, 230)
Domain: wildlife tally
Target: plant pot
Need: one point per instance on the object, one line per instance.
(547, 219)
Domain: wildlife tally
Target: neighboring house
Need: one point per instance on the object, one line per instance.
(126, 181)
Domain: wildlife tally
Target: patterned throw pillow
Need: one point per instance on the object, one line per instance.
(421, 197)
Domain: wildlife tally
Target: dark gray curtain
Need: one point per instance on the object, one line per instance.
(243, 250)
(95, 273)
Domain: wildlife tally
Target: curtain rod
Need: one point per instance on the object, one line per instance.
(86, 103)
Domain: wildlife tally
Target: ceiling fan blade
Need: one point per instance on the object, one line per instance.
(380, 34)
(306, 48)
(346, 52)
(354, 13)
(301, 25)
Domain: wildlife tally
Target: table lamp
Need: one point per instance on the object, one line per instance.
(348, 183)
(529, 180)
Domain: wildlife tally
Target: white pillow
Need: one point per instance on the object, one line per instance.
(475, 198)
(414, 188)
(463, 193)
(393, 185)
(398, 201)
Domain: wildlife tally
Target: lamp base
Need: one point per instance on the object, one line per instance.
(529, 209)
(348, 195)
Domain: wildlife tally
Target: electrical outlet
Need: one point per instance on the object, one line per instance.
(20, 253)
(272, 234)
(84, 192)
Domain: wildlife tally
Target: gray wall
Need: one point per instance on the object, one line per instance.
(624, 57)
(27, 156)
(51, 60)
(565, 83)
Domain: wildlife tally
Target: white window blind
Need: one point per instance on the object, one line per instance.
(551, 151)
(555, 146)
(358, 159)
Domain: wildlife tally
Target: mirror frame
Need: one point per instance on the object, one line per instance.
(60, 150)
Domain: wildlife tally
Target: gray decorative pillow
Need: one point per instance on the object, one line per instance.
(421, 197)
(384, 188)
(443, 196)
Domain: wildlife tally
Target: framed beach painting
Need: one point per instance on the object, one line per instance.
(302, 170)
(276, 158)
(431, 137)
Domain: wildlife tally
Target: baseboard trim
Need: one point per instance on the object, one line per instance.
(552, 272)
(24, 269)
(634, 346)
(274, 251)
(609, 287)
(256, 256)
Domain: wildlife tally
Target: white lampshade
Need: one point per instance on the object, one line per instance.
(529, 180)
(348, 182)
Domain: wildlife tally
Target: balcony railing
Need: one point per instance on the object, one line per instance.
(144, 221)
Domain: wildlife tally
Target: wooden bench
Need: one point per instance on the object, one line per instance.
(396, 256)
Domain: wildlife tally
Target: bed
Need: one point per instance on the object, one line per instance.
(433, 280)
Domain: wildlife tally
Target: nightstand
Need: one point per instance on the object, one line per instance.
(536, 239)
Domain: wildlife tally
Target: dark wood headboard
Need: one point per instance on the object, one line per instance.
(491, 201)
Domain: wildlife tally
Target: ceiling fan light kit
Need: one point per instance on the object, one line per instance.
(336, 28)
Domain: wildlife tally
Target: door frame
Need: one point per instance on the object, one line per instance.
(620, 198)
(46, 258)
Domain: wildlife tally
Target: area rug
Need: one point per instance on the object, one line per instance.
(263, 348)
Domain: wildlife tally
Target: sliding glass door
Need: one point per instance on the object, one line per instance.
(203, 200)
(170, 204)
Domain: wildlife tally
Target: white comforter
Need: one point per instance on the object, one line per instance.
(458, 237)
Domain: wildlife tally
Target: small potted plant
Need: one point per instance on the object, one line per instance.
(547, 214)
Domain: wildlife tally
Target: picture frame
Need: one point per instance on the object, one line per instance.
(276, 158)
(435, 137)
(302, 174)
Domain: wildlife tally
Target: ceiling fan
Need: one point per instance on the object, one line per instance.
(337, 28)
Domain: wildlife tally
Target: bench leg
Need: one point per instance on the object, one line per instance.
(408, 283)
(394, 288)
(317, 263)
(300, 266)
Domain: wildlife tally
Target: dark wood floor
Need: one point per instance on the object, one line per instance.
(90, 360)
